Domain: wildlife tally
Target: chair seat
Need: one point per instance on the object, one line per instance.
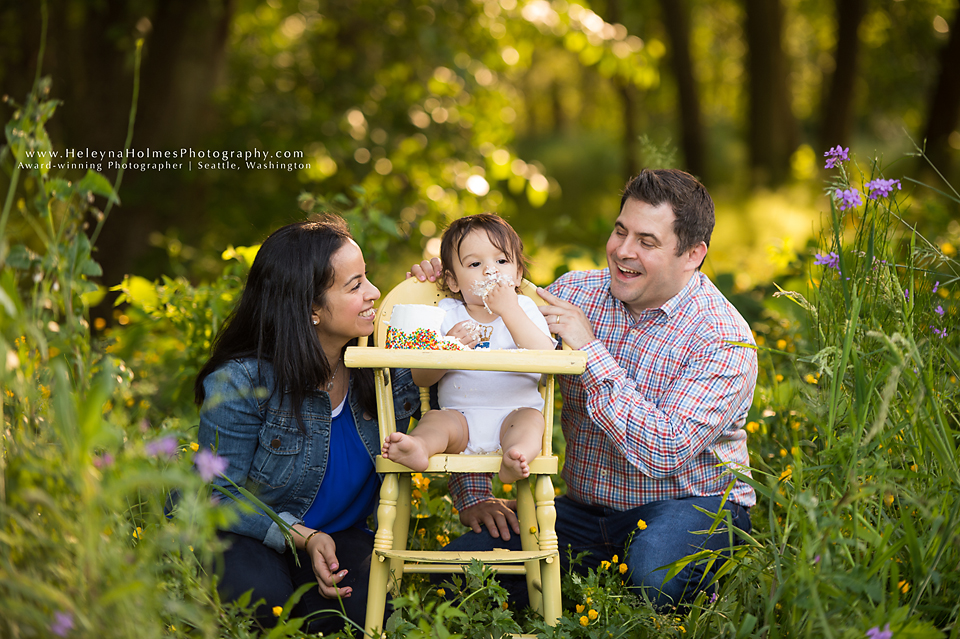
(452, 557)
(469, 464)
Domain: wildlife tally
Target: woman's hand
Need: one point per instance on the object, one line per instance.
(466, 332)
(323, 557)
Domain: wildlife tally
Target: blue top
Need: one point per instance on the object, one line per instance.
(245, 419)
(348, 491)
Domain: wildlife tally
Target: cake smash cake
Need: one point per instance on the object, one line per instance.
(417, 326)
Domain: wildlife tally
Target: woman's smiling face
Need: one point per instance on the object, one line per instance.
(348, 304)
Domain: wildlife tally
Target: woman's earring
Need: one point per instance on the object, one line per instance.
(316, 321)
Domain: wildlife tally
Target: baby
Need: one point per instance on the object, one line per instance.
(482, 411)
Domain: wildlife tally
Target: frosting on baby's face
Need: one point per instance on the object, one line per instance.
(492, 277)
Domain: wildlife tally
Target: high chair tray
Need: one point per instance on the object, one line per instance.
(521, 361)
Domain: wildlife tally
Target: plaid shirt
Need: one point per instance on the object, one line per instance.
(661, 405)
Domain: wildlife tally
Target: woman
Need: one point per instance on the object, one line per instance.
(299, 428)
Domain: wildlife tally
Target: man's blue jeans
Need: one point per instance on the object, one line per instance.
(671, 533)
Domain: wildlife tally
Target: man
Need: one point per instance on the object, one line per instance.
(656, 420)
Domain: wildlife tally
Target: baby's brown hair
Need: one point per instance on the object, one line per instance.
(500, 233)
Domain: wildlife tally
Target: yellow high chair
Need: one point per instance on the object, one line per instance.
(539, 560)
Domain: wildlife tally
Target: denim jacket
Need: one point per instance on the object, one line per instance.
(256, 430)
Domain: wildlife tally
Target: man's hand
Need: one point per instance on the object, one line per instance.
(426, 270)
(498, 515)
(566, 320)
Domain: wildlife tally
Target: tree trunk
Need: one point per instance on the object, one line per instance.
(771, 129)
(945, 104)
(836, 116)
(676, 19)
(631, 163)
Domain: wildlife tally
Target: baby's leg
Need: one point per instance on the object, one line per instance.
(521, 436)
(440, 431)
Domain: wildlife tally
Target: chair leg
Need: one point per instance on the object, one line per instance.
(527, 513)
(379, 567)
(549, 567)
(401, 529)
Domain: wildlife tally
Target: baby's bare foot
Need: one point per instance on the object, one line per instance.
(514, 466)
(406, 450)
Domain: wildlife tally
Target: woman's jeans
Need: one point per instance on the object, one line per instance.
(273, 577)
(674, 528)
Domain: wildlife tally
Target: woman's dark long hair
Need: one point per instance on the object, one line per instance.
(272, 320)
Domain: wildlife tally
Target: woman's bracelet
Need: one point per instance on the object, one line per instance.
(309, 537)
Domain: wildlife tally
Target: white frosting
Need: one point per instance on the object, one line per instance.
(409, 317)
(483, 287)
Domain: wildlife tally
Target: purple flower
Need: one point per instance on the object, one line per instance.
(939, 332)
(906, 294)
(936, 286)
(848, 199)
(165, 446)
(938, 310)
(829, 260)
(876, 633)
(62, 623)
(103, 460)
(881, 187)
(816, 560)
(835, 156)
(209, 465)
(714, 597)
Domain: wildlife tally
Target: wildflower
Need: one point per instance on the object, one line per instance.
(593, 614)
(935, 287)
(816, 560)
(906, 294)
(103, 460)
(443, 539)
(138, 533)
(881, 187)
(62, 623)
(752, 427)
(829, 260)
(714, 597)
(441, 592)
(941, 332)
(938, 310)
(786, 474)
(876, 633)
(194, 446)
(604, 565)
(641, 524)
(165, 446)
(584, 621)
(623, 568)
(888, 499)
(209, 465)
(504, 605)
(507, 488)
(581, 608)
(615, 559)
(277, 611)
(810, 379)
(835, 155)
(903, 585)
(533, 530)
(848, 198)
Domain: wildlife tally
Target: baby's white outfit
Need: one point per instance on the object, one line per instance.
(486, 397)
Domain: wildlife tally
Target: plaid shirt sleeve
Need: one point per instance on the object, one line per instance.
(468, 490)
(659, 439)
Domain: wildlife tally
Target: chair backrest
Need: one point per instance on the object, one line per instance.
(413, 291)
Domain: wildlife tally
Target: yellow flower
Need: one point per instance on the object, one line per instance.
(507, 488)
(810, 379)
(593, 614)
(615, 559)
(533, 530)
(604, 565)
(888, 499)
(194, 446)
(786, 474)
(948, 249)
(138, 533)
(778, 377)
(683, 630)
(277, 611)
(641, 524)
(623, 568)
(441, 592)
(914, 467)
(504, 605)
(781, 344)
(904, 586)
(443, 539)
(584, 621)
(783, 452)
(580, 607)
(752, 427)
(589, 600)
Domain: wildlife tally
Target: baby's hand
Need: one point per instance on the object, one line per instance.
(465, 331)
(502, 297)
